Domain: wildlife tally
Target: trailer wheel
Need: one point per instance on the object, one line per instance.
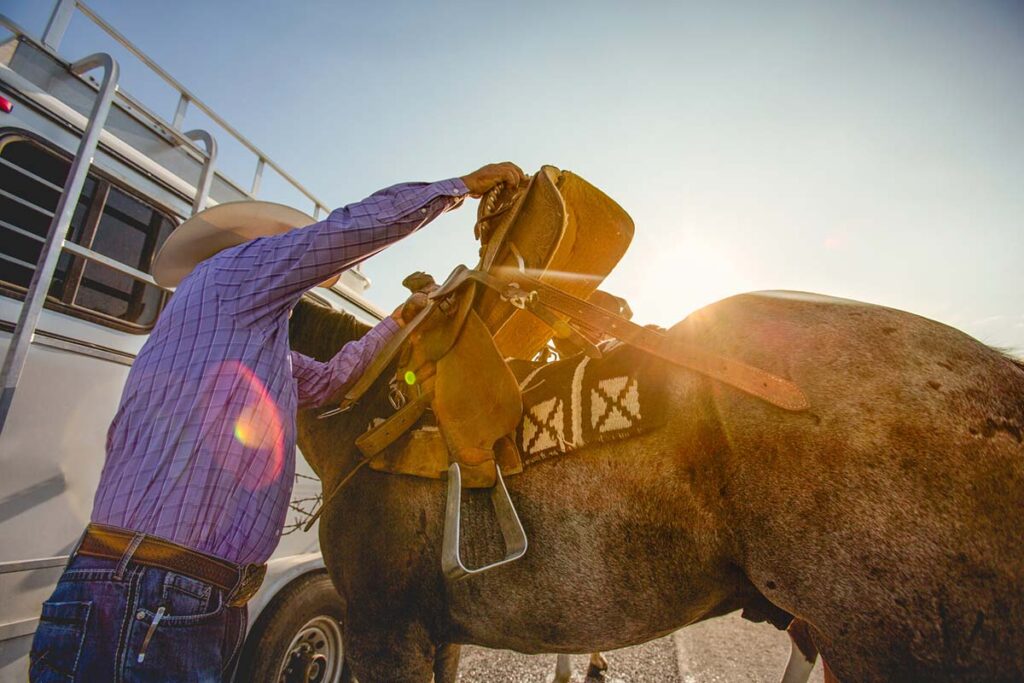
(297, 638)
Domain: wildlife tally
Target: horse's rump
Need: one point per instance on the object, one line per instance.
(894, 506)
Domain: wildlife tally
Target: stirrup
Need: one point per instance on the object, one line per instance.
(511, 528)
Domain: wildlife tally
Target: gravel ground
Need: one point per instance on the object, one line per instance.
(731, 649)
(717, 651)
(653, 661)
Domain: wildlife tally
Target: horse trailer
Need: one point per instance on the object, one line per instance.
(91, 183)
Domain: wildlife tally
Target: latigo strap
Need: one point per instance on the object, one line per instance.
(530, 292)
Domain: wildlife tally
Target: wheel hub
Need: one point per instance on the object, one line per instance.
(315, 654)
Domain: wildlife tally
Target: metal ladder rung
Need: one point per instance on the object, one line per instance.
(23, 232)
(25, 202)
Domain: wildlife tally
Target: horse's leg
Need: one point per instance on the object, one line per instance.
(446, 663)
(829, 676)
(595, 672)
(389, 653)
(598, 665)
(563, 669)
(802, 654)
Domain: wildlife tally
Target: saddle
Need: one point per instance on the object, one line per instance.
(545, 248)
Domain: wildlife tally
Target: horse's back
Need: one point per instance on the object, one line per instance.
(889, 514)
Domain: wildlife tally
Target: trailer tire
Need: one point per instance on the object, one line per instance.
(297, 637)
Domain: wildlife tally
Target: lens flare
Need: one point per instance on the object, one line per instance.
(257, 426)
(247, 426)
(410, 377)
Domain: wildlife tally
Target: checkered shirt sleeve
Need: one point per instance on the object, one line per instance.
(266, 276)
(317, 381)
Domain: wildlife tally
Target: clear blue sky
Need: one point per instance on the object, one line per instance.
(871, 150)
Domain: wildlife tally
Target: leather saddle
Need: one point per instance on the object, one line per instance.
(562, 231)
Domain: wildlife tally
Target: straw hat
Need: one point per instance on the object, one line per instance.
(219, 227)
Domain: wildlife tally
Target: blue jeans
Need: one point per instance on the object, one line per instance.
(101, 625)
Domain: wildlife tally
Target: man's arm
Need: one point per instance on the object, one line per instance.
(267, 275)
(317, 381)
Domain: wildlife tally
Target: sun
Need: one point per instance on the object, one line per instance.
(665, 284)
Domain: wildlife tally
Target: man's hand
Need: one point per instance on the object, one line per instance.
(482, 180)
(410, 309)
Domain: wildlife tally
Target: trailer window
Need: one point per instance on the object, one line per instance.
(107, 219)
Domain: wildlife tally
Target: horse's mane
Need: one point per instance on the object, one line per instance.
(319, 332)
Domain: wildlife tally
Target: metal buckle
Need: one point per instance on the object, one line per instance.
(396, 397)
(518, 297)
(447, 305)
(512, 531)
(248, 583)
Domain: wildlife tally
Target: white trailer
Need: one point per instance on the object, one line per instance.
(91, 183)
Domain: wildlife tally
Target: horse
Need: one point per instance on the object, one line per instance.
(886, 517)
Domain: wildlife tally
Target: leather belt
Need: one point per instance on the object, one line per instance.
(239, 582)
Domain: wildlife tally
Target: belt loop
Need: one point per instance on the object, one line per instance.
(74, 550)
(122, 566)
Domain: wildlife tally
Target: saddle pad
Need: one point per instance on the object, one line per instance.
(579, 402)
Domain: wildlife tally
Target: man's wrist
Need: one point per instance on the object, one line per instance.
(452, 187)
(388, 327)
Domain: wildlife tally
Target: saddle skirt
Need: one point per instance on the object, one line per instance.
(559, 229)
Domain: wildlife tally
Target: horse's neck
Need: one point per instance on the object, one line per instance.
(329, 458)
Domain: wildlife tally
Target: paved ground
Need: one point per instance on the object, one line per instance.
(721, 650)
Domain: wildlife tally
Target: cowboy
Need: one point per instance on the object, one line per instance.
(201, 453)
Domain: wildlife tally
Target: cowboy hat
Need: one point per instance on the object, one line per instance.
(219, 227)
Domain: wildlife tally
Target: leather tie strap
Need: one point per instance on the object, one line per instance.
(373, 441)
(754, 381)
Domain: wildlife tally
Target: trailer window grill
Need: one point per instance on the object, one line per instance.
(116, 233)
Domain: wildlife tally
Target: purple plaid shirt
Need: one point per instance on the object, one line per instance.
(202, 448)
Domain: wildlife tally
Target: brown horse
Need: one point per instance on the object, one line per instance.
(888, 517)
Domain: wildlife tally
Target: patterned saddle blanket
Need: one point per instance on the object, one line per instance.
(568, 405)
(578, 402)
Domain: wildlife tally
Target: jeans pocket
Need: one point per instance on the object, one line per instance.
(171, 648)
(185, 596)
(58, 641)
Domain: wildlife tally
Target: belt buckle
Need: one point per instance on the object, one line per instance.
(248, 583)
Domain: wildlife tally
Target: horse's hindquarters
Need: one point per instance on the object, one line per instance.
(889, 514)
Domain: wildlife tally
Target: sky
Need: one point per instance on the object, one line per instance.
(869, 150)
